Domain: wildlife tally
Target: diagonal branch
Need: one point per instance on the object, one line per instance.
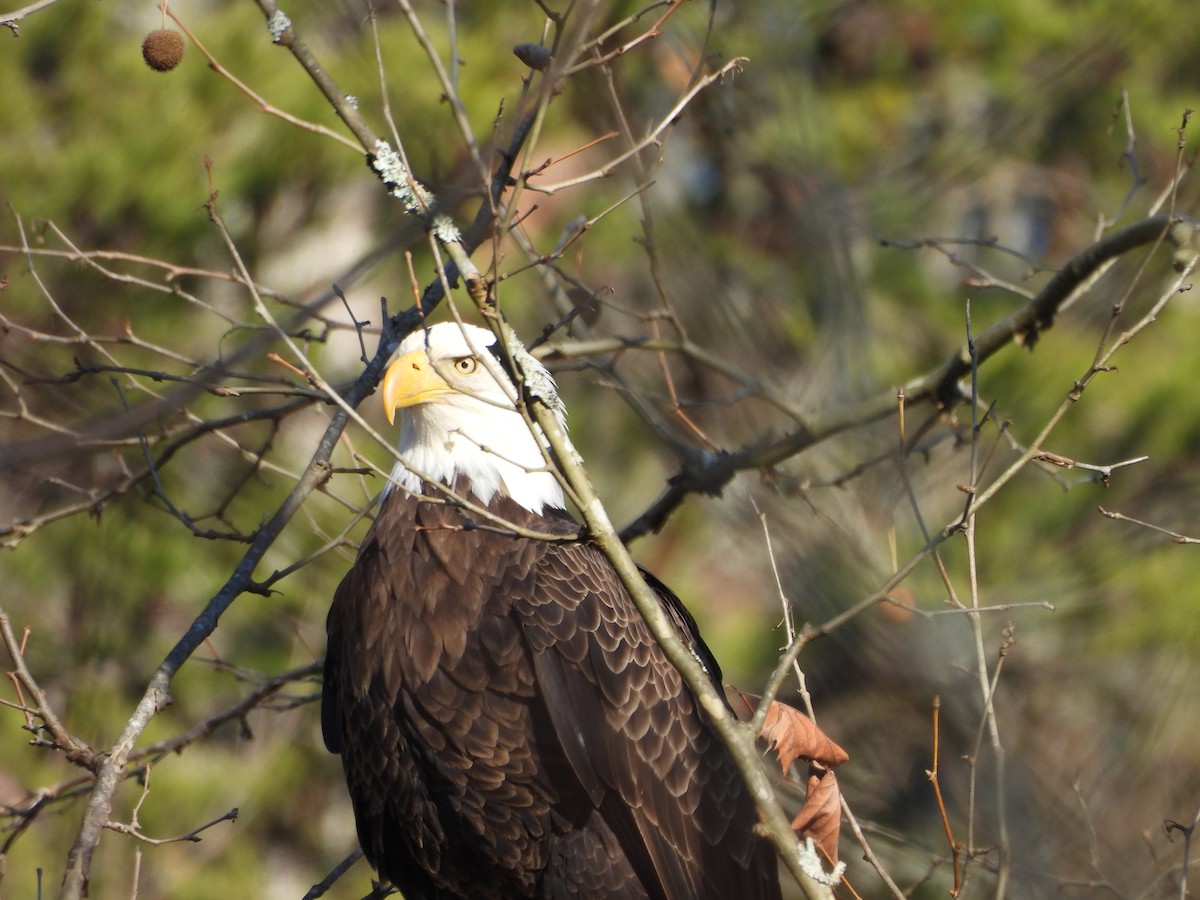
(712, 472)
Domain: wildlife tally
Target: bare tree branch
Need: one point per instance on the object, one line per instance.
(712, 472)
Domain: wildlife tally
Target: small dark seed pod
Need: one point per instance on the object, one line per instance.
(162, 49)
(534, 56)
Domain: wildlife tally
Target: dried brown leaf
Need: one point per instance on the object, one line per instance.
(793, 735)
(820, 818)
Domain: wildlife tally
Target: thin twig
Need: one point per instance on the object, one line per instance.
(263, 105)
(932, 774)
(321, 888)
(1187, 831)
(1173, 535)
(75, 750)
(648, 139)
(11, 20)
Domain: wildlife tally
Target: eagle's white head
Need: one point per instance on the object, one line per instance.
(459, 417)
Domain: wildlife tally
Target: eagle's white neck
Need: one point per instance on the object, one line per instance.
(489, 444)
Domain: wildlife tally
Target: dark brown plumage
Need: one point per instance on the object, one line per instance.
(510, 729)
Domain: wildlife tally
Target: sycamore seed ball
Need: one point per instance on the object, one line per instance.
(162, 49)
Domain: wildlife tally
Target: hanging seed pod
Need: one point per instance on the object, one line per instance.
(162, 49)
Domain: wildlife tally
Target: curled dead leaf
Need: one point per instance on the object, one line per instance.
(793, 735)
(820, 818)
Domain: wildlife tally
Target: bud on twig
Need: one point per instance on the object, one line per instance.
(534, 55)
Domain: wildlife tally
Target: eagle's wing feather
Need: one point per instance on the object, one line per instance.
(630, 728)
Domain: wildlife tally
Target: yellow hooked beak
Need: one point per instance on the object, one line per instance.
(409, 381)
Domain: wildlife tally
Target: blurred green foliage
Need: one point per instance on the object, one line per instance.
(850, 122)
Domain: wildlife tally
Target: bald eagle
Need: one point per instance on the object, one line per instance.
(507, 724)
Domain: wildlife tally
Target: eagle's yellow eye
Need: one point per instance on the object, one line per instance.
(466, 365)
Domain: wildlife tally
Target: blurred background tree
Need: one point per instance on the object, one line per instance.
(815, 223)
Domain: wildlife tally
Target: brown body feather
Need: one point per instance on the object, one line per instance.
(510, 729)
